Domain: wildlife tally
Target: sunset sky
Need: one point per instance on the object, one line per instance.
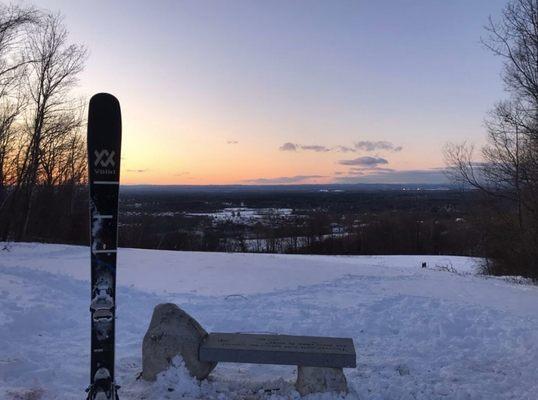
(222, 92)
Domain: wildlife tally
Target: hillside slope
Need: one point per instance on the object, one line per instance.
(420, 333)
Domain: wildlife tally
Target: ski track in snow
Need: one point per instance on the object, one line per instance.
(419, 333)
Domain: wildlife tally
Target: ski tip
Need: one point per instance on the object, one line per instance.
(106, 98)
(104, 105)
(104, 120)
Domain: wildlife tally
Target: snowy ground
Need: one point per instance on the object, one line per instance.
(419, 333)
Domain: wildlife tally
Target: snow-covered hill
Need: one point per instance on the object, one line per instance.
(420, 333)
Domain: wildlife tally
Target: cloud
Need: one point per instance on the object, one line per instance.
(345, 149)
(431, 175)
(368, 145)
(232, 142)
(282, 179)
(363, 145)
(316, 148)
(376, 169)
(182, 173)
(356, 171)
(139, 171)
(365, 161)
(288, 147)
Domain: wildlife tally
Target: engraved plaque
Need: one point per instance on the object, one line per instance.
(310, 351)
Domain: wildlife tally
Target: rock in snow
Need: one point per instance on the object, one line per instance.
(173, 332)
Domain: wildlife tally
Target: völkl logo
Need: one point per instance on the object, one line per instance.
(104, 158)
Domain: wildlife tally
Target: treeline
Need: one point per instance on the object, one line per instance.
(42, 151)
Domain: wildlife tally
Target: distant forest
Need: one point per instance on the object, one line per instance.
(305, 220)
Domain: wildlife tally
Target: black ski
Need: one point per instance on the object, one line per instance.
(104, 147)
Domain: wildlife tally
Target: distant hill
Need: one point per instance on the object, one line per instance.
(291, 188)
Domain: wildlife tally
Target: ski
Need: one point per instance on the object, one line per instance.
(104, 151)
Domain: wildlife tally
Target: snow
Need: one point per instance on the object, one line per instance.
(245, 215)
(441, 332)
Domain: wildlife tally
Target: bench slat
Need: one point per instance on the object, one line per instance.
(308, 351)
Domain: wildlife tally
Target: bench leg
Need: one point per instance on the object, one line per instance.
(320, 379)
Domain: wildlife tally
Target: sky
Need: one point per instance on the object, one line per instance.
(268, 92)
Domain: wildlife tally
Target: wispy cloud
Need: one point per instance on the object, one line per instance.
(232, 142)
(345, 149)
(365, 161)
(288, 147)
(138, 171)
(430, 175)
(283, 179)
(182, 173)
(316, 148)
(368, 145)
(363, 145)
(359, 171)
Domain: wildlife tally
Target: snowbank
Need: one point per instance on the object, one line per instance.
(420, 333)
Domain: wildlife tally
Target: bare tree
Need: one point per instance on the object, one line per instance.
(59, 144)
(13, 20)
(53, 73)
(508, 174)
